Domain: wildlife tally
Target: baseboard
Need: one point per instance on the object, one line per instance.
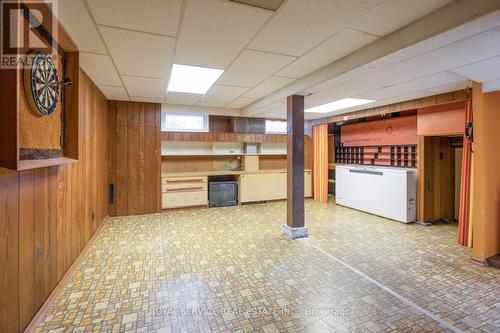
(60, 285)
(483, 263)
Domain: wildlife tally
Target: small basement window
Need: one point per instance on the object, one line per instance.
(182, 122)
(275, 127)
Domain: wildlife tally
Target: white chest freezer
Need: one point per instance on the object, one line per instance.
(387, 192)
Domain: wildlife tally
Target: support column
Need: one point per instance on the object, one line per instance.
(295, 227)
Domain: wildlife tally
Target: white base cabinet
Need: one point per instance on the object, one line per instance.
(184, 192)
(387, 192)
(269, 186)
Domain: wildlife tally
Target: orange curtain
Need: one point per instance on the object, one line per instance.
(463, 218)
(320, 163)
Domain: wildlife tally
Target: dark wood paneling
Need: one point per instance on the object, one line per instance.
(9, 251)
(47, 215)
(135, 156)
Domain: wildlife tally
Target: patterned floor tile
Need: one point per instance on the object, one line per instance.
(230, 270)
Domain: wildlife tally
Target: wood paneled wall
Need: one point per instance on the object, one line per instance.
(48, 215)
(436, 173)
(135, 157)
(391, 131)
(446, 119)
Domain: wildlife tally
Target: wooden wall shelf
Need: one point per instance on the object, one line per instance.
(222, 137)
(397, 156)
(42, 163)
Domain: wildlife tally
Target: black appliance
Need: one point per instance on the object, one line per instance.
(222, 193)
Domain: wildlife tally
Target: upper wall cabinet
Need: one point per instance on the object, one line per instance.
(39, 120)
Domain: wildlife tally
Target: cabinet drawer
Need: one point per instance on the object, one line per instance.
(184, 199)
(183, 187)
(183, 184)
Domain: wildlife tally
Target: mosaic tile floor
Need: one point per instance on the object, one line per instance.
(229, 270)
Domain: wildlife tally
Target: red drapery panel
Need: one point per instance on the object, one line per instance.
(463, 218)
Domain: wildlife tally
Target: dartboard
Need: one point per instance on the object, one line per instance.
(41, 83)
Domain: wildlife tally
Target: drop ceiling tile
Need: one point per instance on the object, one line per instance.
(77, 22)
(241, 102)
(213, 32)
(100, 69)
(359, 72)
(268, 86)
(338, 46)
(482, 24)
(300, 25)
(222, 94)
(182, 98)
(400, 12)
(490, 86)
(252, 67)
(155, 16)
(114, 93)
(449, 87)
(278, 107)
(145, 87)
(340, 91)
(481, 71)
(409, 87)
(464, 52)
(139, 54)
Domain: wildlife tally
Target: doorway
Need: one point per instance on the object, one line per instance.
(440, 172)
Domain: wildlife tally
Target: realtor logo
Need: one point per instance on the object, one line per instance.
(27, 29)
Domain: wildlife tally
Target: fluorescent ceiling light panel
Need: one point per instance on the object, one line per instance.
(339, 105)
(192, 79)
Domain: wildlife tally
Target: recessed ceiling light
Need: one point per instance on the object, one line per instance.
(192, 79)
(339, 105)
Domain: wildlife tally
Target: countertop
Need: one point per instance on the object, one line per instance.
(222, 173)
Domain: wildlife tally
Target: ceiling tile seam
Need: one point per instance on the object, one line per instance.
(249, 42)
(440, 47)
(354, 80)
(87, 7)
(109, 85)
(272, 52)
(134, 30)
(456, 74)
(473, 63)
(143, 77)
(346, 26)
(174, 51)
(253, 37)
(366, 14)
(403, 82)
(363, 32)
(273, 74)
(232, 86)
(95, 53)
(255, 7)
